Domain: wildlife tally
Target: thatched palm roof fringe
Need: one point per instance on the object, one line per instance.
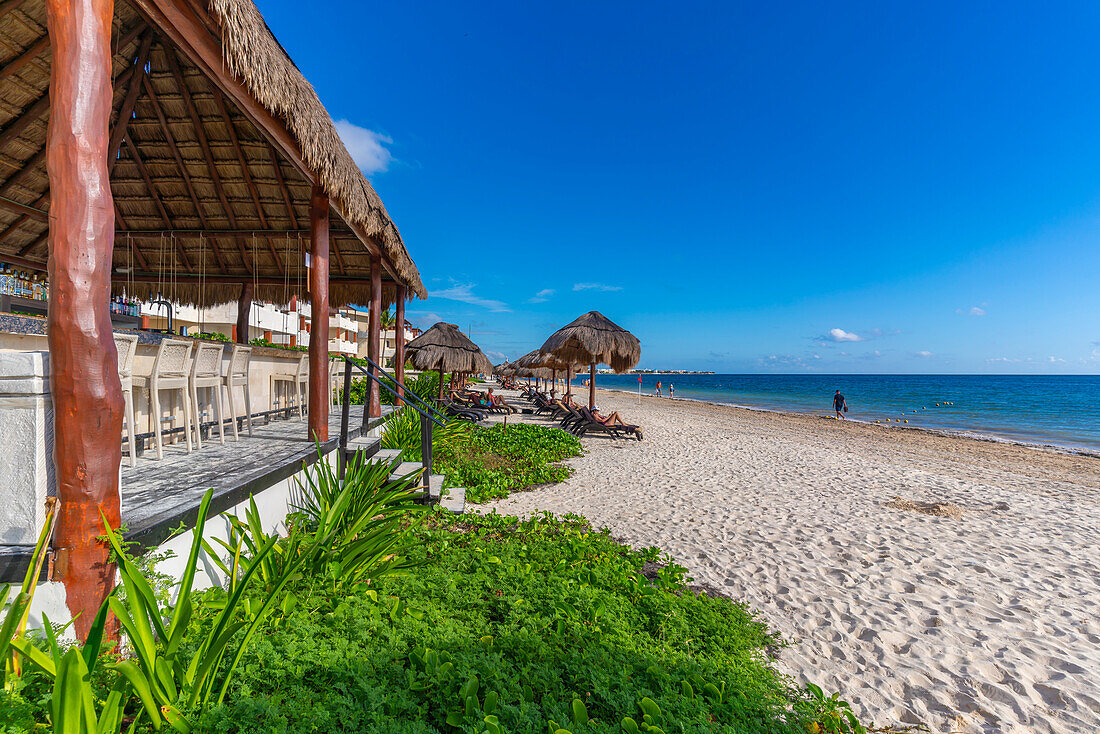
(444, 347)
(594, 339)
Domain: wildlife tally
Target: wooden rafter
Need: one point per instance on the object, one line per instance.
(9, 5)
(26, 57)
(30, 114)
(126, 109)
(204, 144)
(38, 204)
(227, 119)
(168, 136)
(339, 257)
(287, 198)
(155, 196)
(33, 162)
(24, 209)
(124, 40)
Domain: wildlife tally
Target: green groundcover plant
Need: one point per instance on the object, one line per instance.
(513, 626)
(495, 461)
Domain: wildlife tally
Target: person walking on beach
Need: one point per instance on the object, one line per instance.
(839, 405)
(658, 388)
(671, 391)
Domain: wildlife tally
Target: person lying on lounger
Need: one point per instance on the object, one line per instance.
(497, 401)
(612, 420)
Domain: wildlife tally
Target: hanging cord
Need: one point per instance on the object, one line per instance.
(255, 281)
(172, 274)
(286, 291)
(130, 264)
(160, 268)
(202, 281)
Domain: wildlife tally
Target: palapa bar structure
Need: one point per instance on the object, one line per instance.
(170, 147)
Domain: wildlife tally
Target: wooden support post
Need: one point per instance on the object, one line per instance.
(244, 308)
(399, 341)
(374, 329)
(319, 397)
(87, 395)
(592, 387)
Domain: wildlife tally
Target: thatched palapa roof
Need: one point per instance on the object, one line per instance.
(205, 196)
(444, 347)
(594, 339)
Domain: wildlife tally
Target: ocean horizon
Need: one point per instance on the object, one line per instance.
(1055, 410)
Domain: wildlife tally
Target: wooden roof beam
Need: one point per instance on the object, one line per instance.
(33, 162)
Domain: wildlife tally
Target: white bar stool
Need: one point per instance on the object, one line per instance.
(126, 346)
(237, 376)
(206, 374)
(169, 373)
(297, 378)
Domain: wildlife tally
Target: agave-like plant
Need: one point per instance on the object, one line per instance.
(15, 617)
(402, 431)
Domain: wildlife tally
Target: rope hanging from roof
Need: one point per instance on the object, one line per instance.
(202, 281)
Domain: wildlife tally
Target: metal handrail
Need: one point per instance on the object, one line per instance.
(407, 394)
(426, 420)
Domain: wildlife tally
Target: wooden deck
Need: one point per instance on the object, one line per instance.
(158, 495)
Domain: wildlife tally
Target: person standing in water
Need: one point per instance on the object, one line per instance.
(671, 391)
(839, 405)
(658, 388)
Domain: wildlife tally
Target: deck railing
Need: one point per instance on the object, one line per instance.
(428, 414)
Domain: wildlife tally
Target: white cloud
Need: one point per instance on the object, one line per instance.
(541, 296)
(596, 287)
(972, 311)
(840, 335)
(423, 319)
(923, 354)
(464, 293)
(367, 147)
(496, 357)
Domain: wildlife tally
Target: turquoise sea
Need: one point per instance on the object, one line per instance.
(1055, 410)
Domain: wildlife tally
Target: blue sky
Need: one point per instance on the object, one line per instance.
(748, 187)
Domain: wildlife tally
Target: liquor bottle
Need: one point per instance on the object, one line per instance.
(3, 279)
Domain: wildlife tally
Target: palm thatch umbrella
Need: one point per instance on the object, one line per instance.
(594, 339)
(444, 348)
(550, 364)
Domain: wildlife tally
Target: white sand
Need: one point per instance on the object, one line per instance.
(985, 623)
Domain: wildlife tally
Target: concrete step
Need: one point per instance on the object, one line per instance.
(455, 500)
(435, 484)
(405, 468)
(367, 446)
(389, 455)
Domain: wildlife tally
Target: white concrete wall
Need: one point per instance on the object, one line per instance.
(274, 503)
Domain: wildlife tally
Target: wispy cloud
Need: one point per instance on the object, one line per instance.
(596, 287)
(924, 354)
(367, 148)
(496, 357)
(542, 296)
(840, 335)
(972, 311)
(464, 293)
(423, 319)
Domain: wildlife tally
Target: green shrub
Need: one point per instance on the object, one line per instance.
(513, 626)
(402, 431)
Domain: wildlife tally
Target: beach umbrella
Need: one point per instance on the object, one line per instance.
(446, 349)
(538, 360)
(594, 339)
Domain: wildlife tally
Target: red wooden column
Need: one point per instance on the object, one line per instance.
(592, 388)
(244, 308)
(87, 396)
(374, 331)
(318, 335)
(399, 340)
